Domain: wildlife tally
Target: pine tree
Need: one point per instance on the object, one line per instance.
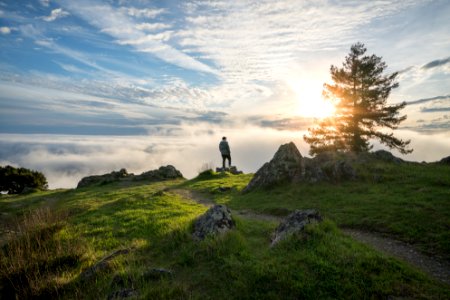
(360, 92)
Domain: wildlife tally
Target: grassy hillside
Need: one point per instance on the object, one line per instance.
(408, 201)
(64, 232)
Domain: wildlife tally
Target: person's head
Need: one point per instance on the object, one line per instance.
(224, 138)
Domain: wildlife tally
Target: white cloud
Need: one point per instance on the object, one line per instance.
(162, 36)
(121, 27)
(5, 30)
(71, 68)
(259, 40)
(152, 26)
(143, 13)
(56, 14)
(44, 2)
(85, 58)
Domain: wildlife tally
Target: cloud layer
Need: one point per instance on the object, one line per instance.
(66, 159)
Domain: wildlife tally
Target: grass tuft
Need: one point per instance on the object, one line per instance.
(34, 257)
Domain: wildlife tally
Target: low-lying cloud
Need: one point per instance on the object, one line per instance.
(66, 159)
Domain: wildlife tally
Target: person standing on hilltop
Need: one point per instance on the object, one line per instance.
(225, 151)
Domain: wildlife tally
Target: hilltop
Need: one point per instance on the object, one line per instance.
(133, 238)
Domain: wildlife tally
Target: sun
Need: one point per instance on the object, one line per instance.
(310, 102)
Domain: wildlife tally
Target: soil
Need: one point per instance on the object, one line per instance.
(433, 266)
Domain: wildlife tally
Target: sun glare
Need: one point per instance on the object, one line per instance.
(310, 101)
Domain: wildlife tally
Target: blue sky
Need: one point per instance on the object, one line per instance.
(184, 73)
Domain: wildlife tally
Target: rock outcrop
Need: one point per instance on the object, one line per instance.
(214, 221)
(328, 167)
(287, 165)
(163, 173)
(386, 156)
(445, 160)
(233, 170)
(103, 179)
(294, 223)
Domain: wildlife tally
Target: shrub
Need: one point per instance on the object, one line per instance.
(17, 180)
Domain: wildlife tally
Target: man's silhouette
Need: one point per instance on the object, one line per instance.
(225, 151)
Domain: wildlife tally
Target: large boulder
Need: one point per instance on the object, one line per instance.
(214, 221)
(286, 166)
(294, 223)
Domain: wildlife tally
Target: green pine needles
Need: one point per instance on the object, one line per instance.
(359, 92)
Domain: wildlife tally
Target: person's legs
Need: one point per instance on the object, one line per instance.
(224, 157)
(229, 160)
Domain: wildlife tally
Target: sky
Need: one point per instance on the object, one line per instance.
(88, 87)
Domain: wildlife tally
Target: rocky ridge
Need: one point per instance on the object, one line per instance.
(288, 165)
(163, 173)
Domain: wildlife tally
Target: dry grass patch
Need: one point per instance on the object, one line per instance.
(34, 260)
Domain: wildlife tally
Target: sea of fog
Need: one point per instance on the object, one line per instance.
(65, 159)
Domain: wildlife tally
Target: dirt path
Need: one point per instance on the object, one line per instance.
(200, 198)
(435, 267)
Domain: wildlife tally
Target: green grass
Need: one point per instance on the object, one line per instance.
(408, 201)
(156, 224)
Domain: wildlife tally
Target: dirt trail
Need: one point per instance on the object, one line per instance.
(433, 266)
(200, 198)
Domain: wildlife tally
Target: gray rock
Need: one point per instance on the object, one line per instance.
(294, 223)
(386, 156)
(233, 170)
(102, 179)
(338, 170)
(445, 160)
(214, 221)
(163, 173)
(286, 166)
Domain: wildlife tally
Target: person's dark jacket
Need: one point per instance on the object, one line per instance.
(224, 148)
